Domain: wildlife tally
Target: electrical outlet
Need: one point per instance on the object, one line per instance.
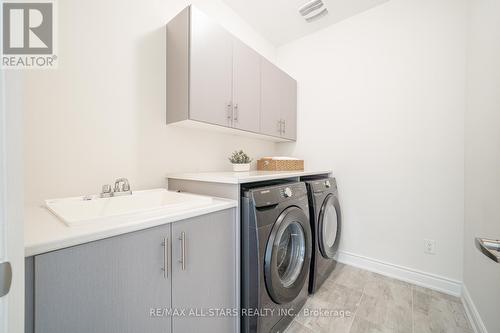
(430, 246)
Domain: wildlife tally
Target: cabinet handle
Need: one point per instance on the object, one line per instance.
(165, 257)
(284, 126)
(279, 126)
(183, 250)
(236, 112)
(229, 110)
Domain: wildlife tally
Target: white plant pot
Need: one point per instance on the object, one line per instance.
(238, 167)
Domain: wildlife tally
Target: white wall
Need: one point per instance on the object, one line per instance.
(482, 157)
(381, 101)
(101, 114)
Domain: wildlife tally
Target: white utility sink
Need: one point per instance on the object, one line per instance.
(129, 208)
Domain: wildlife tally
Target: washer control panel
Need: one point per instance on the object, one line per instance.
(271, 195)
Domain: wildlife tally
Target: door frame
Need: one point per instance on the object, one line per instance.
(11, 197)
(3, 238)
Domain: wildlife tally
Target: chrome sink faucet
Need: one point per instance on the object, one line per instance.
(122, 187)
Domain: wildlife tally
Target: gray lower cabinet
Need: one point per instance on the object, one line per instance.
(104, 286)
(204, 272)
(131, 282)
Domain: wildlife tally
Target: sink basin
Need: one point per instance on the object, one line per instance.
(140, 205)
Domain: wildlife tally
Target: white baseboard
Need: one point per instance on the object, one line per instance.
(471, 310)
(431, 281)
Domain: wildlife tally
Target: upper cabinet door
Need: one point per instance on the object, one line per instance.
(211, 71)
(289, 107)
(271, 104)
(246, 87)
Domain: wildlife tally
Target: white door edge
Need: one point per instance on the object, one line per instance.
(11, 199)
(3, 239)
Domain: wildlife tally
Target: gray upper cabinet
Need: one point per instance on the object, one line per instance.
(211, 72)
(128, 283)
(288, 110)
(215, 79)
(271, 104)
(246, 87)
(279, 102)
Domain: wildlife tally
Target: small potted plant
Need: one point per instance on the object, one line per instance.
(240, 161)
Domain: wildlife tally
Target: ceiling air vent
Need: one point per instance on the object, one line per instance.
(313, 10)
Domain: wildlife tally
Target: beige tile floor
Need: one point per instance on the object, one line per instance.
(373, 303)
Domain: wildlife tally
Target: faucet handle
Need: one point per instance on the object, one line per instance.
(122, 187)
(106, 189)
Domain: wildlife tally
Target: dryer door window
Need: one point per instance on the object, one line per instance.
(288, 255)
(329, 226)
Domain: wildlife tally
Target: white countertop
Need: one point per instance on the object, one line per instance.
(242, 177)
(44, 232)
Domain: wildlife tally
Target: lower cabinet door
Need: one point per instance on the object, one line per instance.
(115, 285)
(204, 273)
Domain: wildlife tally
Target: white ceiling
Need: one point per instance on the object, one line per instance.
(280, 22)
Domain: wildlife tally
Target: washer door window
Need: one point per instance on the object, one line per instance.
(288, 255)
(329, 226)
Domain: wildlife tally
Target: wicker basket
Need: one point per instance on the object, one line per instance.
(268, 164)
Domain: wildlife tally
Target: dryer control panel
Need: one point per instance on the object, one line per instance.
(328, 184)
